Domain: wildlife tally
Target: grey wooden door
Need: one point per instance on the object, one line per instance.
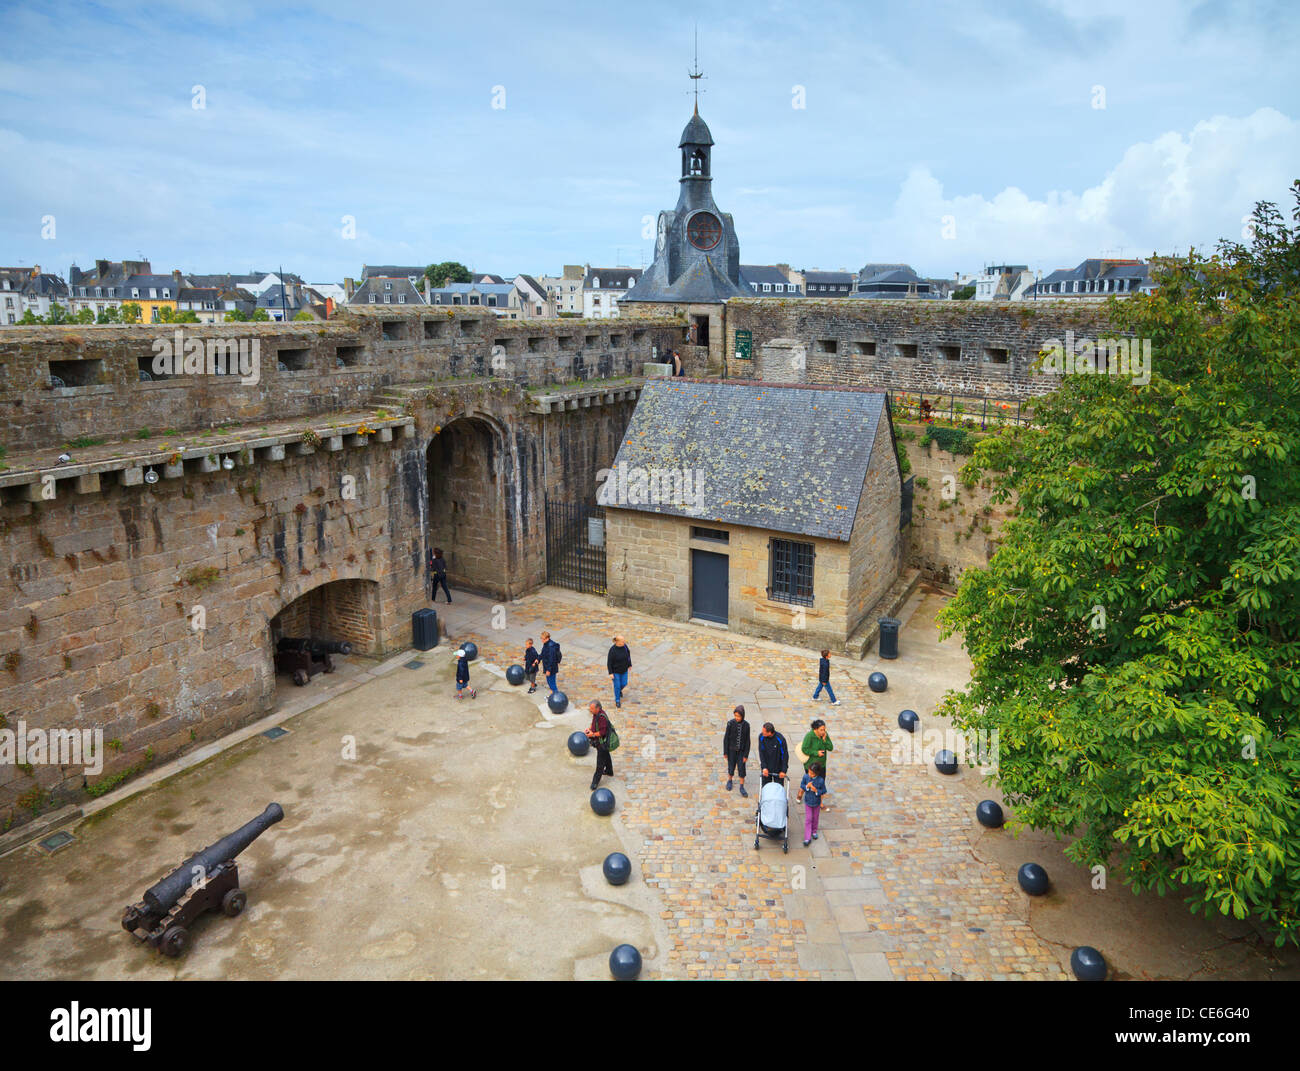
(709, 586)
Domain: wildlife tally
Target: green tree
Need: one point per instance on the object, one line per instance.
(236, 316)
(58, 314)
(85, 316)
(130, 312)
(29, 318)
(964, 293)
(261, 315)
(303, 314)
(166, 314)
(109, 315)
(1136, 636)
(449, 271)
(189, 316)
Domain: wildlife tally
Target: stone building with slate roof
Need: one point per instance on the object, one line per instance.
(773, 510)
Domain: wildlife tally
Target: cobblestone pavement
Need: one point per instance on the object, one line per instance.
(891, 890)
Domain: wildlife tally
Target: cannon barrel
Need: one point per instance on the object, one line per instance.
(161, 897)
(313, 646)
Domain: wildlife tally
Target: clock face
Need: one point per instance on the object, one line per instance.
(663, 233)
(704, 231)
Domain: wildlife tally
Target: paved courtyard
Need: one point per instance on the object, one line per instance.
(426, 838)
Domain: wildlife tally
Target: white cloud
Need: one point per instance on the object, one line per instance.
(1162, 196)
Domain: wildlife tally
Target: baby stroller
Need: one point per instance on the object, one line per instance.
(772, 817)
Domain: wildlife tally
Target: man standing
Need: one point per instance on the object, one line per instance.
(598, 734)
(618, 663)
(773, 754)
(735, 746)
(550, 660)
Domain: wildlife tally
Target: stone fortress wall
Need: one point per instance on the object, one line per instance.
(981, 349)
(326, 516)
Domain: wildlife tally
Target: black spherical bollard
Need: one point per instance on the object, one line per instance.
(602, 801)
(579, 745)
(471, 651)
(1033, 879)
(908, 720)
(877, 682)
(625, 963)
(945, 762)
(559, 703)
(1088, 964)
(515, 675)
(989, 814)
(617, 868)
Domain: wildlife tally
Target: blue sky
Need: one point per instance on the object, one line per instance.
(947, 135)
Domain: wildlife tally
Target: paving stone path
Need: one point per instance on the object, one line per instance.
(891, 889)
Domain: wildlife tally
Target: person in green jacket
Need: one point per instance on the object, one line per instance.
(816, 746)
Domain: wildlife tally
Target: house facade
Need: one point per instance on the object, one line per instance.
(769, 280)
(603, 288)
(565, 289)
(709, 520)
(1096, 278)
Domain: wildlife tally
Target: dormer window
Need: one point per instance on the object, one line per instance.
(767, 288)
(388, 286)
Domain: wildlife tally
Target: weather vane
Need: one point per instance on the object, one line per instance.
(696, 74)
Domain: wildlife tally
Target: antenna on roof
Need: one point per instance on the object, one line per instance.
(696, 74)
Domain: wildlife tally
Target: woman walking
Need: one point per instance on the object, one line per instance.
(735, 746)
(618, 663)
(816, 746)
(438, 569)
(598, 734)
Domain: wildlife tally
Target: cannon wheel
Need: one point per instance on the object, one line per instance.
(234, 902)
(329, 664)
(175, 941)
(300, 677)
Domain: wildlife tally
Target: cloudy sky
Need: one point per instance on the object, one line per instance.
(949, 135)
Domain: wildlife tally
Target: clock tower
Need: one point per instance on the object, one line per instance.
(697, 255)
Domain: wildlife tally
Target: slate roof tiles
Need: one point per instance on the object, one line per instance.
(785, 458)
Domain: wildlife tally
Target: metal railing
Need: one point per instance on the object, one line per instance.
(960, 408)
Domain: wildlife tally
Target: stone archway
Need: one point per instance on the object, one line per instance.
(342, 611)
(467, 470)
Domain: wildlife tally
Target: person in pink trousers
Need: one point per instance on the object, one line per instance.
(811, 790)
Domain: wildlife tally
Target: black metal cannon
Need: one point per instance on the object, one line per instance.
(206, 881)
(304, 658)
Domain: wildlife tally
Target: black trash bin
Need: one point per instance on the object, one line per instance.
(889, 637)
(424, 629)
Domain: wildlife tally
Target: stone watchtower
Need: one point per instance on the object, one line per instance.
(697, 255)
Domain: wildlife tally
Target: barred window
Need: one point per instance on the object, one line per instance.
(792, 572)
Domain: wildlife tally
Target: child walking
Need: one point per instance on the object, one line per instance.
(824, 678)
(531, 661)
(811, 790)
(462, 676)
